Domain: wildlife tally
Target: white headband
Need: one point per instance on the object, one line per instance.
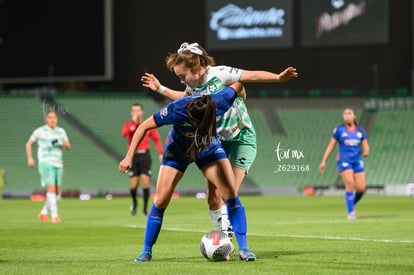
(190, 47)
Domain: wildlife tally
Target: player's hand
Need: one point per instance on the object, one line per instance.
(150, 81)
(66, 145)
(239, 88)
(124, 165)
(30, 163)
(322, 166)
(288, 74)
(243, 94)
(160, 157)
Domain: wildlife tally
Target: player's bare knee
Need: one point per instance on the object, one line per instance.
(161, 202)
(51, 188)
(229, 193)
(214, 200)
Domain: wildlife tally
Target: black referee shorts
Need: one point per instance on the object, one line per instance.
(141, 164)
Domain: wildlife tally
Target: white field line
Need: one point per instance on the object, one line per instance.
(294, 236)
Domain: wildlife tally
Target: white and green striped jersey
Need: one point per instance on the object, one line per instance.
(49, 144)
(236, 118)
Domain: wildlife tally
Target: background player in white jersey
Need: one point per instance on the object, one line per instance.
(196, 69)
(51, 140)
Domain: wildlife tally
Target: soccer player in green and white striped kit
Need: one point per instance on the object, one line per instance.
(51, 140)
(197, 70)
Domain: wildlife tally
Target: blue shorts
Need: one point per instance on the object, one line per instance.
(357, 166)
(174, 156)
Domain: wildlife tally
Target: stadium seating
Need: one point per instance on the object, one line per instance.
(104, 116)
(391, 140)
(19, 117)
(86, 166)
(300, 133)
(307, 131)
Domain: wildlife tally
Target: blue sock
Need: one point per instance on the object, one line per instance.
(349, 201)
(358, 196)
(154, 222)
(237, 217)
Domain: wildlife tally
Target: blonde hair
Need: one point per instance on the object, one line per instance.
(191, 60)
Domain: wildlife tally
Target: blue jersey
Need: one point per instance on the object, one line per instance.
(349, 143)
(176, 113)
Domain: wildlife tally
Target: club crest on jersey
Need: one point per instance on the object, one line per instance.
(187, 124)
(212, 87)
(164, 112)
(359, 135)
(219, 151)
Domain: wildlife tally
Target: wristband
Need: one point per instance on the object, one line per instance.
(162, 89)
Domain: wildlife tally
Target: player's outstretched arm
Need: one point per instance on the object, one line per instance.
(365, 148)
(265, 76)
(151, 82)
(30, 160)
(328, 152)
(155, 136)
(148, 124)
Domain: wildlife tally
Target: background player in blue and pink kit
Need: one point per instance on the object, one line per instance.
(353, 145)
(193, 138)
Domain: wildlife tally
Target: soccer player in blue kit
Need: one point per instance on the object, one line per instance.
(351, 138)
(193, 138)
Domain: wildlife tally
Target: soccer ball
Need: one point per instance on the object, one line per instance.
(216, 246)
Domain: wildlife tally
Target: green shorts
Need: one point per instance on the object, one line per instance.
(241, 150)
(50, 174)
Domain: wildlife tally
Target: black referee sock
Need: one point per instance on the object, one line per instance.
(145, 193)
(133, 193)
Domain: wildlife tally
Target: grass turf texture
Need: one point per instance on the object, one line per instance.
(290, 235)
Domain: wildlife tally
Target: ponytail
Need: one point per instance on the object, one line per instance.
(202, 111)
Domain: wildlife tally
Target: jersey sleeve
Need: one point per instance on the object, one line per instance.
(224, 100)
(64, 135)
(336, 133)
(125, 129)
(165, 115)
(228, 74)
(364, 133)
(35, 135)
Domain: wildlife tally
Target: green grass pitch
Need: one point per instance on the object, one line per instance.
(290, 235)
